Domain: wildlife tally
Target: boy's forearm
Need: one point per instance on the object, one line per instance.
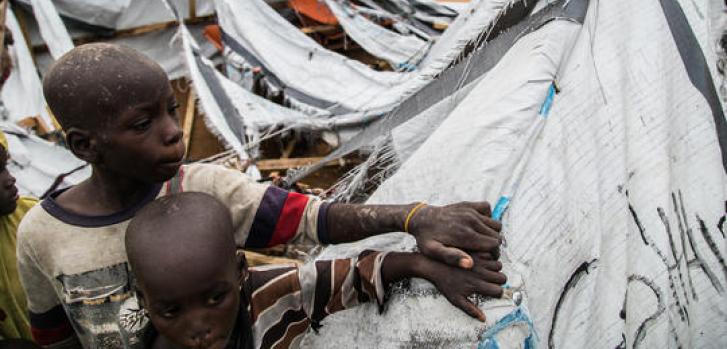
(347, 223)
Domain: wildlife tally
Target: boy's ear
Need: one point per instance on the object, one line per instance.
(82, 144)
(139, 297)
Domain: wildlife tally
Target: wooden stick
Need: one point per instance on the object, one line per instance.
(192, 9)
(3, 12)
(284, 164)
(189, 115)
(136, 31)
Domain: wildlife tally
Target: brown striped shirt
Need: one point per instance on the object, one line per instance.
(285, 300)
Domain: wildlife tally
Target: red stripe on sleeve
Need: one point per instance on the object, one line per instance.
(289, 220)
(48, 336)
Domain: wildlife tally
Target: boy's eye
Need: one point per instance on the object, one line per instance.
(216, 299)
(169, 312)
(142, 125)
(173, 108)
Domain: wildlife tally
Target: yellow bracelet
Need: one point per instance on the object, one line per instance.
(411, 215)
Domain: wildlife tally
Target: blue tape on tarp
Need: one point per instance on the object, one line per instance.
(517, 316)
(545, 108)
(500, 208)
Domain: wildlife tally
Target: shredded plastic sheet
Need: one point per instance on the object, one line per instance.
(22, 93)
(608, 150)
(36, 163)
(301, 63)
(403, 52)
(52, 28)
(124, 14)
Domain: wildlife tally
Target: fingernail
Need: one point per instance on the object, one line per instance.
(465, 263)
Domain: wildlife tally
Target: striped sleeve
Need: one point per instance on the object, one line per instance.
(287, 217)
(284, 301)
(263, 215)
(334, 285)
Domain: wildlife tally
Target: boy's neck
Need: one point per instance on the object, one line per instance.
(103, 194)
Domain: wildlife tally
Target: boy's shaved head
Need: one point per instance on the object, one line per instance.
(94, 82)
(182, 252)
(176, 228)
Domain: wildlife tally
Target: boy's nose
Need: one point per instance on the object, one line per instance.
(172, 131)
(201, 336)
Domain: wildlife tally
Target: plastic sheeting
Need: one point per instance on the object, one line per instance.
(36, 164)
(22, 93)
(403, 52)
(52, 28)
(612, 191)
(301, 63)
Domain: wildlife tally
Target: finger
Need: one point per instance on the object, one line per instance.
(493, 224)
(448, 255)
(481, 207)
(465, 305)
(485, 225)
(490, 265)
(490, 276)
(472, 241)
(488, 289)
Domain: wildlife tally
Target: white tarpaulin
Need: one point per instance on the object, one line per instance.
(52, 29)
(37, 164)
(301, 63)
(613, 191)
(403, 52)
(22, 93)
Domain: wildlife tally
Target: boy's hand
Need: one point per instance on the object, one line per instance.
(456, 284)
(443, 233)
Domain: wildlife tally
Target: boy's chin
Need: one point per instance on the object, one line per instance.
(166, 172)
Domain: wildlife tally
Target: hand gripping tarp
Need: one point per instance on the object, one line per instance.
(610, 157)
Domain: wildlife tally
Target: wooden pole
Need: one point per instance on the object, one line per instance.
(3, 11)
(192, 9)
(189, 114)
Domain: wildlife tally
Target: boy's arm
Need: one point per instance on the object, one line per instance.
(442, 233)
(332, 285)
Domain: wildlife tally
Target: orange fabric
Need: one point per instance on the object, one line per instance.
(214, 35)
(315, 10)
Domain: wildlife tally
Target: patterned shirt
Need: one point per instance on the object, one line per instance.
(284, 301)
(74, 268)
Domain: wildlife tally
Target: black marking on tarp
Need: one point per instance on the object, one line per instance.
(683, 227)
(276, 83)
(670, 268)
(660, 308)
(229, 112)
(712, 245)
(696, 67)
(573, 280)
(638, 223)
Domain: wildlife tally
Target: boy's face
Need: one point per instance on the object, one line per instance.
(8, 190)
(144, 142)
(195, 305)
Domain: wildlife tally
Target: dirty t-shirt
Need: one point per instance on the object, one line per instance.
(74, 268)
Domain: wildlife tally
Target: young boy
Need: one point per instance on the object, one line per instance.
(14, 321)
(118, 112)
(197, 294)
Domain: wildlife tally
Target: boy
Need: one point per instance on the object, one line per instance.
(14, 321)
(197, 294)
(118, 112)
